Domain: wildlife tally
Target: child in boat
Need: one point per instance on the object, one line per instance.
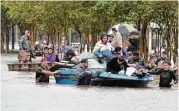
(166, 75)
(43, 73)
(83, 73)
(71, 57)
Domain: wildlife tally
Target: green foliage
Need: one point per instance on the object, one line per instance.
(91, 16)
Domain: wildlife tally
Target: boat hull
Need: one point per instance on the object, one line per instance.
(103, 79)
(118, 82)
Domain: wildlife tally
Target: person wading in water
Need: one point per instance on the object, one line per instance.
(43, 73)
(166, 75)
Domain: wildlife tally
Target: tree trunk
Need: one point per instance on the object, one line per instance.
(13, 39)
(143, 43)
(48, 38)
(5, 40)
(138, 23)
(3, 34)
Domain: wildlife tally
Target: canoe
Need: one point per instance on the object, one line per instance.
(68, 76)
(32, 67)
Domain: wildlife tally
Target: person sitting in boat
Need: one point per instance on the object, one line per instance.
(51, 57)
(83, 73)
(103, 49)
(130, 50)
(136, 59)
(163, 58)
(43, 73)
(166, 75)
(71, 57)
(117, 64)
(115, 53)
(45, 52)
(151, 65)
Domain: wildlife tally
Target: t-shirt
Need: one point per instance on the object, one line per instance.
(40, 77)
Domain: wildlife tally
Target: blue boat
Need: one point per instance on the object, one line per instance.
(68, 76)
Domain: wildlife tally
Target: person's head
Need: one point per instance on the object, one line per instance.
(84, 63)
(114, 30)
(117, 49)
(135, 55)
(45, 50)
(71, 54)
(164, 54)
(104, 37)
(27, 33)
(120, 59)
(166, 65)
(43, 62)
(50, 50)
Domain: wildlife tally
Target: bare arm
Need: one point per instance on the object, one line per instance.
(49, 73)
(64, 64)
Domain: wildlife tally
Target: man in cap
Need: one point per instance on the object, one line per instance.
(83, 73)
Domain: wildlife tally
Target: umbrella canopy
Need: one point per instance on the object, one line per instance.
(124, 29)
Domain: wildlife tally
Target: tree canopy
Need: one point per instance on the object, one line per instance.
(93, 17)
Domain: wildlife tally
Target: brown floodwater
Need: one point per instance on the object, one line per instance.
(19, 92)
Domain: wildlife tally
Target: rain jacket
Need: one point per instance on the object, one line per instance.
(101, 50)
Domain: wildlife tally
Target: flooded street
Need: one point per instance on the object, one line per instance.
(19, 92)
